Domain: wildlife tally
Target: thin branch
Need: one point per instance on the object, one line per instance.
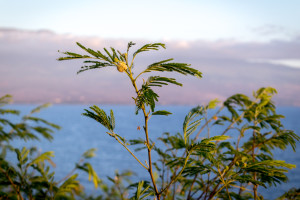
(12, 183)
(207, 122)
(174, 179)
(191, 188)
(146, 118)
(130, 152)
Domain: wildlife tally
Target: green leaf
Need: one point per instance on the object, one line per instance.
(215, 138)
(45, 132)
(70, 185)
(109, 55)
(72, 56)
(137, 141)
(42, 158)
(146, 97)
(148, 47)
(190, 124)
(142, 191)
(249, 179)
(100, 116)
(237, 100)
(161, 112)
(202, 146)
(130, 44)
(36, 119)
(87, 167)
(9, 111)
(97, 65)
(22, 155)
(112, 119)
(199, 168)
(90, 51)
(176, 141)
(115, 55)
(93, 174)
(160, 81)
(90, 153)
(213, 104)
(293, 193)
(38, 109)
(5, 100)
(274, 163)
(181, 68)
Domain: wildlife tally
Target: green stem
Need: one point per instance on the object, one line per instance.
(146, 117)
(130, 152)
(149, 156)
(253, 159)
(191, 188)
(175, 178)
(216, 190)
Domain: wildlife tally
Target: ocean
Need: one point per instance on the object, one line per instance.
(80, 133)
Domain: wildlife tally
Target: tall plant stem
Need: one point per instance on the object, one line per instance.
(146, 117)
(253, 159)
(149, 156)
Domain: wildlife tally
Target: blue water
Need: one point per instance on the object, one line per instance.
(80, 133)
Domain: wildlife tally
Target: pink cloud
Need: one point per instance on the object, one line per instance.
(29, 70)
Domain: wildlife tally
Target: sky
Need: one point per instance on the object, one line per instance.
(238, 45)
(157, 19)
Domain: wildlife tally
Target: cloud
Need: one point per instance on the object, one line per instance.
(29, 70)
(270, 29)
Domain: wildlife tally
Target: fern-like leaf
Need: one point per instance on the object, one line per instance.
(161, 112)
(97, 65)
(190, 124)
(181, 68)
(146, 96)
(159, 81)
(100, 116)
(148, 47)
(72, 56)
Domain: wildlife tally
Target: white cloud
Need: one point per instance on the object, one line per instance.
(294, 63)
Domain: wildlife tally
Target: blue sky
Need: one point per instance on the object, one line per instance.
(253, 20)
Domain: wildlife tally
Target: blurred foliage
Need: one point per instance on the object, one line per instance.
(31, 176)
(292, 194)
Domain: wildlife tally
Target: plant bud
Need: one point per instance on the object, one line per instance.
(121, 66)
